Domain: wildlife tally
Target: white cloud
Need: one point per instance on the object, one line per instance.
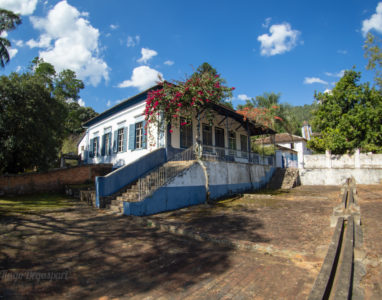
(328, 91)
(44, 42)
(133, 41)
(339, 74)
(375, 21)
(311, 80)
(113, 27)
(75, 43)
(108, 104)
(4, 34)
(81, 102)
(342, 52)
(12, 52)
(142, 78)
(22, 7)
(18, 43)
(266, 23)
(242, 97)
(147, 54)
(18, 69)
(282, 38)
(169, 62)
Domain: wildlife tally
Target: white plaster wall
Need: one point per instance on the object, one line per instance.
(82, 144)
(338, 176)
(315, 161)
(342, 161)
(258, 172)
(123, 118)
(370, 160)
(364, 161)
(194, 176)
(220, 173)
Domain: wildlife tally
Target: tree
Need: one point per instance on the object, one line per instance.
(8, 21)
(206, 68)
(31, 124)
(66, 88)
(374, 55)
(77, 115)
(38, 109)
(349, 117)
(266, 109)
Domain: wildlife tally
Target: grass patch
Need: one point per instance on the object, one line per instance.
(31, 203)
(245, 201)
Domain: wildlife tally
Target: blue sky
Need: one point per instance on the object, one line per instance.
(118, 48)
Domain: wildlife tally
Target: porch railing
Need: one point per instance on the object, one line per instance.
(227, 154)
(159, 176)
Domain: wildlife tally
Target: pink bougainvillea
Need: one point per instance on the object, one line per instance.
(185, 99)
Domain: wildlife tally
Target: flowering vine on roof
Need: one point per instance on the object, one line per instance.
(185, 100)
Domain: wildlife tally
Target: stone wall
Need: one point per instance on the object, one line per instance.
(356, 161)
(51, 181)
(339, 176)
(328, 169)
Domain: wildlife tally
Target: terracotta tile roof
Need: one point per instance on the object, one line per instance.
(281, 138)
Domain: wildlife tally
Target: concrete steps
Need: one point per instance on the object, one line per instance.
(148, 184)
(284, 179)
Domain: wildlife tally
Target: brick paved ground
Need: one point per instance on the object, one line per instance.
(370, 200)
(297, 221)
(109, 256)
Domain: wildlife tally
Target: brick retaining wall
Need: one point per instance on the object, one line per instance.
(51, 181)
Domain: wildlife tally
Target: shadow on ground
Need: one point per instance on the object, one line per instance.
(104, 254)
(219, 220)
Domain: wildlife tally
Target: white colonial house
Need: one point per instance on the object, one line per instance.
(159, 169)
(118, 135)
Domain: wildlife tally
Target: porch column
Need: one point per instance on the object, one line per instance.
(248, 141)
(227, 134)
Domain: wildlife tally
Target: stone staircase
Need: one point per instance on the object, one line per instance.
(146, 185)
(284, 179)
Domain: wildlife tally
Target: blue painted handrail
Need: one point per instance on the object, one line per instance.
(114, 181)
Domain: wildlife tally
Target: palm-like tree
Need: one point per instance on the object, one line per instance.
(8, 21)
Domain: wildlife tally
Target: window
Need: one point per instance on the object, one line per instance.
(207, 135)
(95, 146)
(219, 137)
(107, 145)
(138, 135)
(185, 134)
(292, 145)
(232, 140)
(244, 145)
(120, 138)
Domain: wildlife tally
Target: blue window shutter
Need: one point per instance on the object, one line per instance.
(103, 146)
(115, 142)
(132, 137)
(144, 137)
(91, 154)
(124, 139)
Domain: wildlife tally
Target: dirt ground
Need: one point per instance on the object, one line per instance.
(80, 252)
(370, 201)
